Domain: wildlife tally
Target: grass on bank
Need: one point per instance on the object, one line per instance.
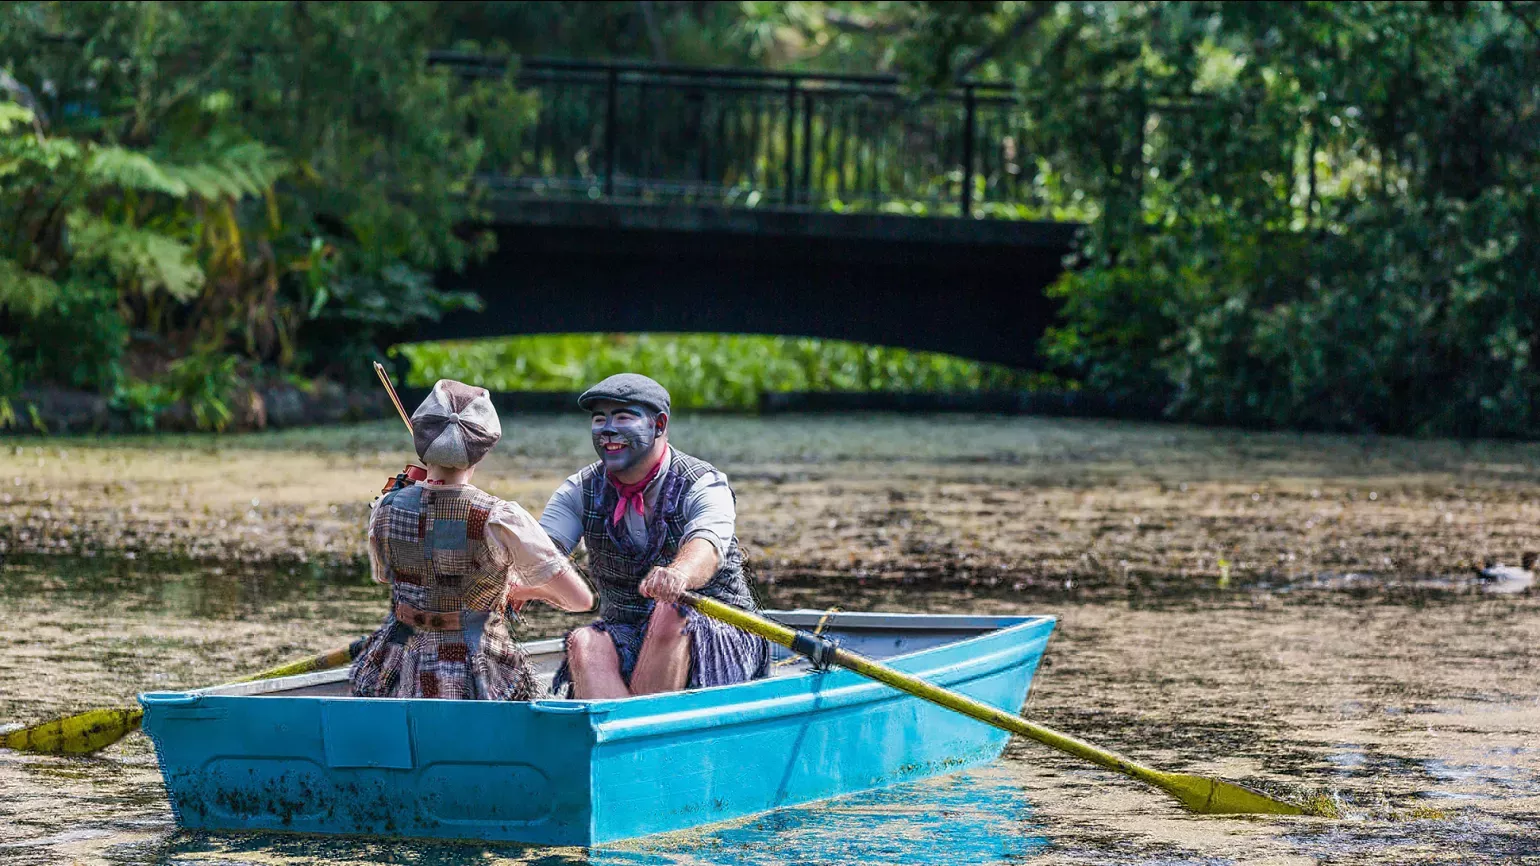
(703, 371)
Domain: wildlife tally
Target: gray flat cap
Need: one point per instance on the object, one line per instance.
(627, 388)
(456, 426)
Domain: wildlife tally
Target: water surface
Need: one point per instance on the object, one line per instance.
(1420, 710)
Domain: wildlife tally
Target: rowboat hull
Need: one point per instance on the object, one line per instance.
(297, 754)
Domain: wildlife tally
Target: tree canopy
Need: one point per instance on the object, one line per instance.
(1314, 215)
(1309, 214)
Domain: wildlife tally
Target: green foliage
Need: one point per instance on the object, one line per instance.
(1308, 215)
(1330, 233)
(78, 342)
(25, 293)
(205, 383)
(237, 175)
(695, 33)
(1311, 215)
(143, 402)
(701, 371)
(10, 378)
(148, 260)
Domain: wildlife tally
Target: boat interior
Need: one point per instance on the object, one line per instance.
(878, 636)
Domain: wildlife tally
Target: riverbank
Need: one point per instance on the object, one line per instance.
(1047, 507)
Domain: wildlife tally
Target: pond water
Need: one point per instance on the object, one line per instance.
(1420, 711)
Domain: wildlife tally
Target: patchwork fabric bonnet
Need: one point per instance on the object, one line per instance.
(456, 426)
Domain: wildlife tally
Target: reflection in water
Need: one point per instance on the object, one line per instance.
(174, 586)
(980, 817)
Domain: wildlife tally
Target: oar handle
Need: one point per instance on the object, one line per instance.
(379, 370)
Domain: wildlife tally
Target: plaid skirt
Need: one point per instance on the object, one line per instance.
(481, 661)
(720, 654)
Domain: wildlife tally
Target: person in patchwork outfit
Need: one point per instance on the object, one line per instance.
(454, 556)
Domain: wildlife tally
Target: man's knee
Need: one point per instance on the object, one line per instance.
(588, 646)
(666, 624)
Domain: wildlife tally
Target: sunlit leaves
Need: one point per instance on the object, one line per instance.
(128, 169)
(13, 116)
(1330, 235)
(721, 371)
(235, 173)
(241, 169)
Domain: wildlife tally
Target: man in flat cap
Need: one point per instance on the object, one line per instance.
(656, 522)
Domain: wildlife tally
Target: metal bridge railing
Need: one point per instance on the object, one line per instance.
(640, 132)
(757, 138)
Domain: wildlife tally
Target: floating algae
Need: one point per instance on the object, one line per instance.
(1411, 707)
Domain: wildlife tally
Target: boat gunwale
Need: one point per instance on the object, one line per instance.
(990, 627)
(821, 694)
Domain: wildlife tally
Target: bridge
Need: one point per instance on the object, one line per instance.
(649, 197)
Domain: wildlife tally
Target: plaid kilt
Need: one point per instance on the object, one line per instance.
(481, 661)
(720, 654)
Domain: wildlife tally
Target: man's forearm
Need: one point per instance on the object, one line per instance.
(698, 561)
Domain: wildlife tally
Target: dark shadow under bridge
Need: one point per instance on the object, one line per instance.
(657, 198)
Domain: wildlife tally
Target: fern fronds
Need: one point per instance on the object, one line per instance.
(237, 171)
(247, 168)
(155, 260)
(131, 169)
(24, 292)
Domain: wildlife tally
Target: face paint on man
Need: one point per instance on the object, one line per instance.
(623, 435)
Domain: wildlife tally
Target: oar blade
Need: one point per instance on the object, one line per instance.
(1209, 796)
(80, 734)
(1202, 794)
(92, 730)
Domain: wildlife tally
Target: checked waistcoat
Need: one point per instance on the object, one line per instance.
(618, 566)
(434, 541)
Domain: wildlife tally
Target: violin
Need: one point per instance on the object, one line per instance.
(412, 474)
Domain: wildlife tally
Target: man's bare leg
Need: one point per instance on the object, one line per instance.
(595, 665)
(664, 662)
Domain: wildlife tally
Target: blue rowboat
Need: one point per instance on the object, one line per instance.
(299, 754)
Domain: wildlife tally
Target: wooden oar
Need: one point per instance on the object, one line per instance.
(1202, 794)
(93, 730)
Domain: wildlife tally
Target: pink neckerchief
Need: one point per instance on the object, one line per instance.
(631, 494)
